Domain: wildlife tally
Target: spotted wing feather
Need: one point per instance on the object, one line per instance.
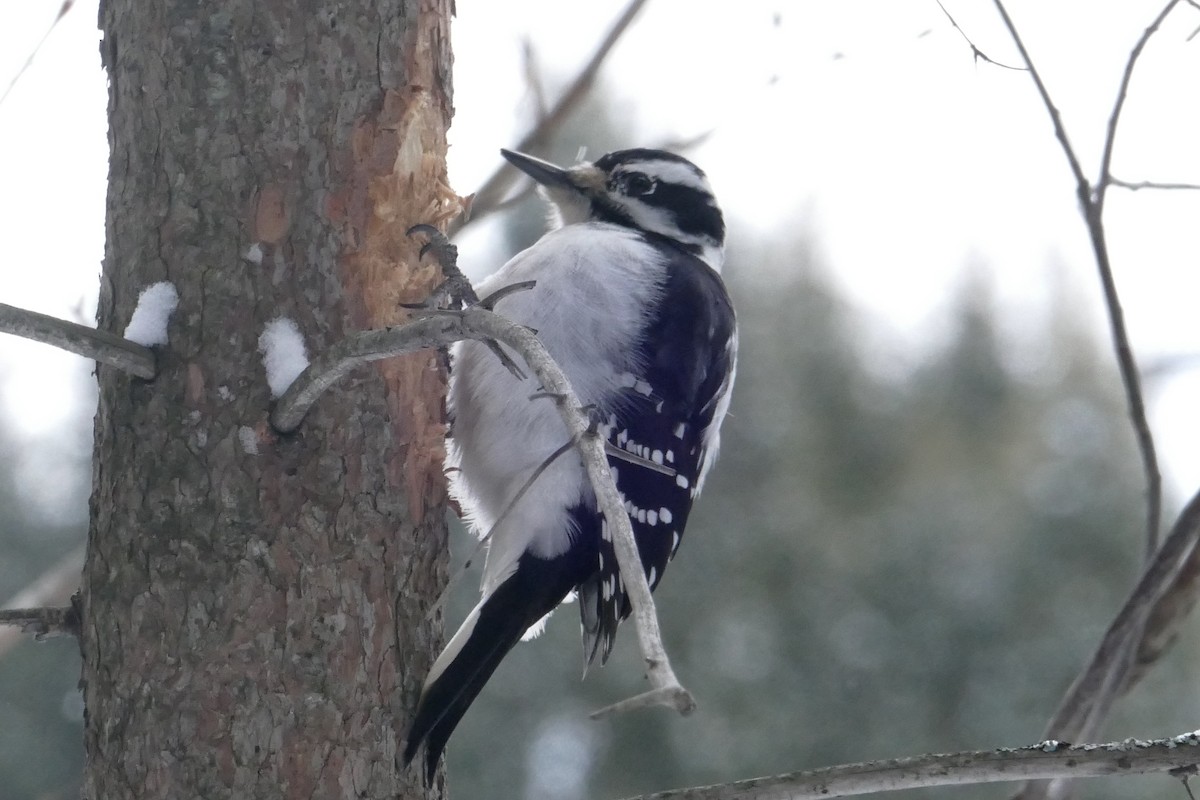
(666, 416)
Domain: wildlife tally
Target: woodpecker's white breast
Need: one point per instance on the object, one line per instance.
(596, 286)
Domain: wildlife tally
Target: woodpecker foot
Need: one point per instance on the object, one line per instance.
(456, 286)
(592, 411)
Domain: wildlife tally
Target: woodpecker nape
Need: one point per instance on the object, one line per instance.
(628, 299)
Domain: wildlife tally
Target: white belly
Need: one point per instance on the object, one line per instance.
(594, 283)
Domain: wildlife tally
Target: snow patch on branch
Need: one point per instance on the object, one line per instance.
(148, 325)
(284, 355)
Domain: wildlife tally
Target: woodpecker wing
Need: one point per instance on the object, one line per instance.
(669, 414)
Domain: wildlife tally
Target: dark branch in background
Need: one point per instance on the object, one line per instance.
(978, 54)
(102, 346)
(1091, 201)
(488, 198)
(533, 78)
(1088, 700)
(1176, 756)
(1134, 186)
(1110, 136)
(1158, 595)
(62, 12)
(442, 328)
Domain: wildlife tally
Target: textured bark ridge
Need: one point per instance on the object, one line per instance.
(255, 605)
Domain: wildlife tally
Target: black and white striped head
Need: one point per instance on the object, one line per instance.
(649, 190)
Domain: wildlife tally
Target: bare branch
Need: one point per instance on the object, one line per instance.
(1134, 186)
(978, 54)
(675, 697)
(360, 348)
(1091, 204)
(533, 78)
(25, 610)
(439, 329)
(42, 622)
(1119, 104)
(1083, 188)
(1048, 759)
(1095, 688)
(488, 198)
(1112, 668)
(62, 12)
(102, 346)
(1165, 619)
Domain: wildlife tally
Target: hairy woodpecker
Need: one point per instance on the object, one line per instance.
(629, 301)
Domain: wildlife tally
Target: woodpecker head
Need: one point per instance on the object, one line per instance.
(649, 190)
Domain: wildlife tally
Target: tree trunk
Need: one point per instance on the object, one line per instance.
(255, 605)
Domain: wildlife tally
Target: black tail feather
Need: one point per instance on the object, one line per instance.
(529, 594)
(444, 701)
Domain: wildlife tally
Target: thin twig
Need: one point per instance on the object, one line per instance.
(1134, 186)
(42, 622)
(1094, 214)
(52, 587)
(497, 185)
(1092, 206)
(1083, 188)
(1110, 136)
(441, 329)
(102, 346)
(1041, 761)
(62, 12)
(638, 461)
(483, 540)
(1089, 699)
(978, 54)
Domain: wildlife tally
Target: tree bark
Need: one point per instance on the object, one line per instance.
(255, 605)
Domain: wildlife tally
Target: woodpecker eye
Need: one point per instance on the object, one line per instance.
(635, 184)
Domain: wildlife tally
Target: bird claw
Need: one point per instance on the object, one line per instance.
(457, 288)
(455, 285)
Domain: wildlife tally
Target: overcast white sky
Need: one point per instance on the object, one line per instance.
(867, 123)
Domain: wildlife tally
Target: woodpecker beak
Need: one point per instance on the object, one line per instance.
(543, 172)
(583, 177)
